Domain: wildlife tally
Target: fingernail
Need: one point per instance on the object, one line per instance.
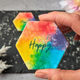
(42, 15)
(41, 75)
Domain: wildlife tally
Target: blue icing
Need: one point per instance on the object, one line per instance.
(32, 19)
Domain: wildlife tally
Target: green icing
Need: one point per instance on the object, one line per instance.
(23, 26)
(39, 60)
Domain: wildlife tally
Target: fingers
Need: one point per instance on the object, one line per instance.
(57, 74)
(44, 73)
(77, 37)
(67, 31)
(64, 20)
(58, 17)
(77, 12)
(62, 27)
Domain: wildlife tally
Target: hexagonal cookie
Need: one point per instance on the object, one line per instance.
(21, 20)
(41, 45)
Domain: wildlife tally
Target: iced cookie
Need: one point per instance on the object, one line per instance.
(21, 20)
(41, 45)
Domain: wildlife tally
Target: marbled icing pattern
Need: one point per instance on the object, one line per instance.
(41, 45)
(21, 20)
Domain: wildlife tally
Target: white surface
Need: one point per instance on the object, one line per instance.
(26, 5)
(29, 5)
(18, 77)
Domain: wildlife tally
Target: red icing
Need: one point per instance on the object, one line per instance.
(38, 28)
(28, 15)
(44, 26)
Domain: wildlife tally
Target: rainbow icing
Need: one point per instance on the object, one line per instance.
(41, 45)
(21, 20)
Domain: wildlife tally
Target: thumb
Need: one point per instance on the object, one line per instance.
(58, 74)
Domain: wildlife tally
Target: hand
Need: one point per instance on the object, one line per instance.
(58, 74)
(66, 22)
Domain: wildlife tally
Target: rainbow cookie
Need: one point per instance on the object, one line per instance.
(41, 45)
(21, 20)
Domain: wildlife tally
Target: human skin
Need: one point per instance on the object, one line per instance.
(66, 22)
